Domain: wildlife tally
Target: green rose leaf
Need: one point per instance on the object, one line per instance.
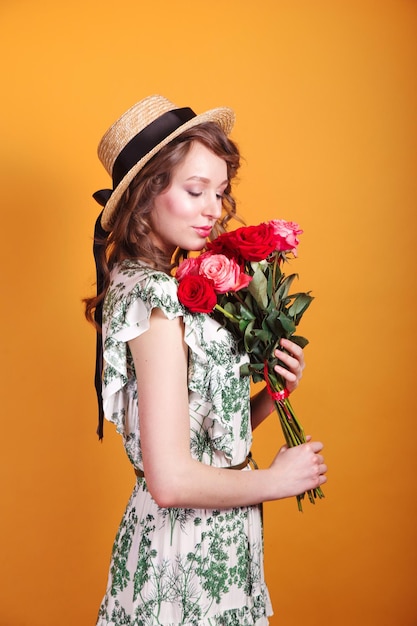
(272, 321)
(246, 313)
(300, 341)
(301, 302)
(287, 324)
(248, 339)
(258, 288)
(285, 284)
(230, 308)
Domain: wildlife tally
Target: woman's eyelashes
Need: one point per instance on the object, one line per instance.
(196, 194)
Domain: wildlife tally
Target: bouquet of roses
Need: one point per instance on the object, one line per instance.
(239, 280)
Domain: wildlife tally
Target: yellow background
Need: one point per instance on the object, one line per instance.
(325, 94)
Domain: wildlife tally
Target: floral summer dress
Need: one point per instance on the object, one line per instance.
(188, 567)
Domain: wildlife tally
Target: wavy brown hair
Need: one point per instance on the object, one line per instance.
(129, 236)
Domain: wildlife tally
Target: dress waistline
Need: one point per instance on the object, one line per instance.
(249, 459)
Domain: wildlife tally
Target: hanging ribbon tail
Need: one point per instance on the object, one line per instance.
(102, 196)
(98, 384)
(100, 236)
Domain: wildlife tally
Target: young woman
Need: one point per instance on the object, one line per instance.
(189, 548)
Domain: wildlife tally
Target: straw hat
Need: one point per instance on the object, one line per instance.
(138, 135)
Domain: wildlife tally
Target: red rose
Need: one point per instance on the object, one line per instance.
(223, 244)
(254, 243)
(197, 294)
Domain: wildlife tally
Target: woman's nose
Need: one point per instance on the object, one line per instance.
(213, 206)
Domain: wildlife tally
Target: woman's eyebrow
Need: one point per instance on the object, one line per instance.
(202, 179)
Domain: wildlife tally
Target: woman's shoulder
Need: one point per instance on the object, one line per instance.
(132, 281)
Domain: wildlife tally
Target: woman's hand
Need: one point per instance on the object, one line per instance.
(299, 469)
(262, 404)
(294, 361)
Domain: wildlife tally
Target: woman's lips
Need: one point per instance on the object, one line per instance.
(203, 231)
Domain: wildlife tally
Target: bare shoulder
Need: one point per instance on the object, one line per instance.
(162, 343)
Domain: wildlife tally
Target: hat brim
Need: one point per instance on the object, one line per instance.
(222, 116)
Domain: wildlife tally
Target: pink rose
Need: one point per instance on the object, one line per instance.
(286, 235)
(188, 267)
(224, 272)
(197, 294)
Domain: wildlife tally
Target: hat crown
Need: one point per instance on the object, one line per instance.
(132, 122)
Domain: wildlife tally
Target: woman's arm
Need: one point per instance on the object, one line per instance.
(261, 403)
(173, 477)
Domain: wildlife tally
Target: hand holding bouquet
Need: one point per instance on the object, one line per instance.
(239, 280)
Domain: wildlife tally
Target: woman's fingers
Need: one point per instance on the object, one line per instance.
(299, 469)
(294, 364)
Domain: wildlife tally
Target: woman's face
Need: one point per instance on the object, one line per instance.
(184, 214)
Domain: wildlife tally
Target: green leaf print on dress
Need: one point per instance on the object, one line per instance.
(145, 556)
(122, 545)
(177, 516)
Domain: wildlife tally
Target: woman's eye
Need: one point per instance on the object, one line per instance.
(194, 194)
(220, 196)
